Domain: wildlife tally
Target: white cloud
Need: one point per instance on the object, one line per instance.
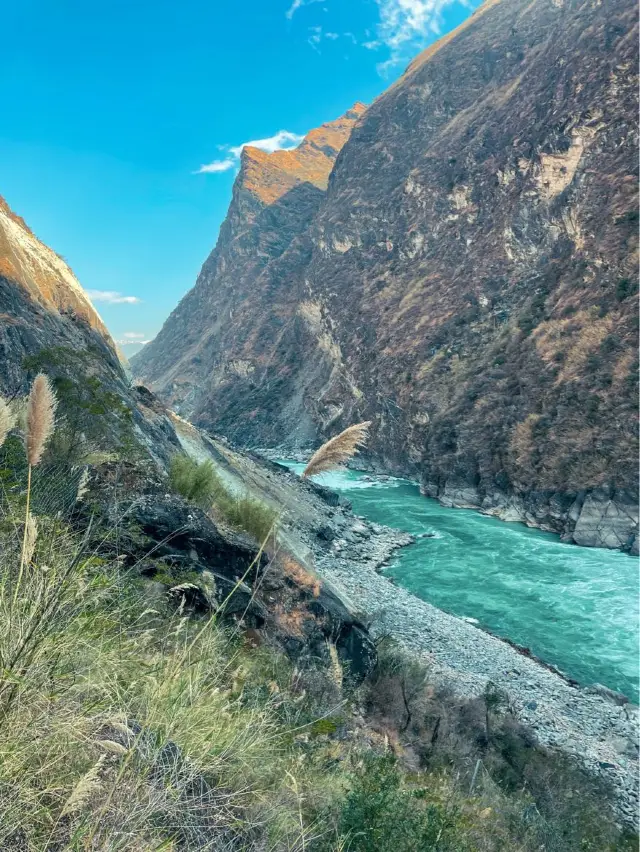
(134, 335)
(111, 297)
(293, 8)
(317, 34)
(283, 140)
(406, 26)
(315, 37)
(217, 166)
(297, 4)
(133, 342)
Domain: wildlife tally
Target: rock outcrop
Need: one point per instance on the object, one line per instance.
(163, 536)
(467, 281)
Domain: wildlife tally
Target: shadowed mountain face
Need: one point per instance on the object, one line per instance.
(467, 281)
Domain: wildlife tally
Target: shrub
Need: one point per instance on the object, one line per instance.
(199, 483)
(625, 288)
(249, 515)
(195, 481)
(381, 813)
(397, 685)
(611, 343)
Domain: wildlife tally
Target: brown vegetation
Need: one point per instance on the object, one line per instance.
(338, 450)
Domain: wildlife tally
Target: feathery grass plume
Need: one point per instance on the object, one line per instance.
(112, 746)
(338, 450)
(84, 789)
(41, 411)
(83, 484)
(30, 537)
(337, 672)
(6, 420)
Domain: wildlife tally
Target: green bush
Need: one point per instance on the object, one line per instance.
(381, 813)
(250, 515)
(197, 482)
(625, 288)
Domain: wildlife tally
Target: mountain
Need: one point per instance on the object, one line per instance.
(275, 197)
(467, 281)
(114, 434)
(42, 303)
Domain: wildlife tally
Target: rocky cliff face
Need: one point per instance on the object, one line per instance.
(467, 281)
(275, 198)
(47, 322)
(42, 304)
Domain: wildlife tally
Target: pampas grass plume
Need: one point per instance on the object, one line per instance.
(83, 484)
(30, 538)
(89, 784)
(6, 421)
(41, 411)
(337, 672)
(338, 450)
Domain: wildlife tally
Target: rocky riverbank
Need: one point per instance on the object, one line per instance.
(597, 727)
(602, 517)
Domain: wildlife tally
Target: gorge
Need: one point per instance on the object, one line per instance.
(459, 267)
(433, 647)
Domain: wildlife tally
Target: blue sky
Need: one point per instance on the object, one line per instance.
(111, 109)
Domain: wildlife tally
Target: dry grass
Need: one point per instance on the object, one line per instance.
(41, 412)
(338, 450)
(522, 442)
(300, 576)
(125, 727)
(6, 420)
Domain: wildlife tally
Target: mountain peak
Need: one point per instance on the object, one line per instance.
(269, 176)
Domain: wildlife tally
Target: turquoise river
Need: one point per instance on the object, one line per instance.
(574, 607)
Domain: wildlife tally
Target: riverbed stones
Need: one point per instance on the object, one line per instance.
(592, 725)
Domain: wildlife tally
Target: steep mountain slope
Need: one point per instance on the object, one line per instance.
(275, 197)
(468, 281)
(47, 322)
(44, 275)
(42, 304)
